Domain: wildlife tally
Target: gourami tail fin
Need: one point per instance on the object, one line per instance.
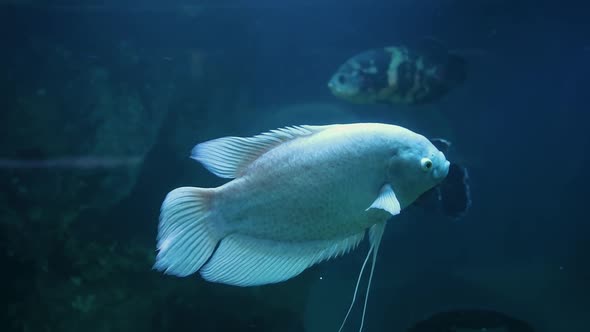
(187, 233)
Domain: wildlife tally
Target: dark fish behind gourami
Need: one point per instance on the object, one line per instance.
(451, 197)
(398, 75)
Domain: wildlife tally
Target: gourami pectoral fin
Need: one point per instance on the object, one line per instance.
(387, 201)
(227, 157)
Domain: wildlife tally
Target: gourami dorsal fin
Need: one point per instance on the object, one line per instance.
(227, 157)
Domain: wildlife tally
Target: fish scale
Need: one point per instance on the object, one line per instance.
(312, 196)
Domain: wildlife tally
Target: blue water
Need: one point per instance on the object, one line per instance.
(145, 81)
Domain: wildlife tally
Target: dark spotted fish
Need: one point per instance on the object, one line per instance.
(451, 197)
(397, 75)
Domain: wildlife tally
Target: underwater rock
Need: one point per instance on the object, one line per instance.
(520, 286)
(74, 137)
(471, 320)
(87, 117)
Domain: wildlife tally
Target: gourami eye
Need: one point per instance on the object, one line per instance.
(426, 164)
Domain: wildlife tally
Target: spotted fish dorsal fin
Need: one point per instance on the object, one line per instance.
(227, 157)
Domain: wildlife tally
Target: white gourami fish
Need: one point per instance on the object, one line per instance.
(299, 195)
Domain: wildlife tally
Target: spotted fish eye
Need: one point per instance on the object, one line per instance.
(426, 164)
(341, 79)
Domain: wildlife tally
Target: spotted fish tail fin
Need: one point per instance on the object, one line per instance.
(452, 63)
(375, 235)
(187, 233)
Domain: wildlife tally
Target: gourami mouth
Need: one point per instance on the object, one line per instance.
(442, 172)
